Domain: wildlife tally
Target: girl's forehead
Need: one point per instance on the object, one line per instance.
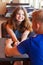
(20, 10)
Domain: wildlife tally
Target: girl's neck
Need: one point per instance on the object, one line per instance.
(17, 23)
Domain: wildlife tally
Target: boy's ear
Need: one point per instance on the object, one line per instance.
(38, 25)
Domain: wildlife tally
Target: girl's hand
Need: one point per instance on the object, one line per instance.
(16, 43)
(9, 42)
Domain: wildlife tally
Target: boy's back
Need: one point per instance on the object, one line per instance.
(34, 48)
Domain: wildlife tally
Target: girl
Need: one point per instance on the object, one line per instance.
(18, 27)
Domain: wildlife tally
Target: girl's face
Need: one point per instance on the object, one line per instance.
(20, 16)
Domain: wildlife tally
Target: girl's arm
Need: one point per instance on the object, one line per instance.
(11, 33)
(24, 35)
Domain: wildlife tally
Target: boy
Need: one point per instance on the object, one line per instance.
(32, 46)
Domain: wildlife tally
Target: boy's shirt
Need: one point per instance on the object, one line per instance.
(34, 48)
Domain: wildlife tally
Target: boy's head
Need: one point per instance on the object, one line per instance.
(37, 21)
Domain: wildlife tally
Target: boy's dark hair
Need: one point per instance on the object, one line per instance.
(38, 16)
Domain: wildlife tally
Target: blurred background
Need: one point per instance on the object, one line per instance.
(32, 3)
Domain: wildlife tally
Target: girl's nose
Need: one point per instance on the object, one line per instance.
(20, 15)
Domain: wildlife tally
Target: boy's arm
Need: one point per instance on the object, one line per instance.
(22, 48)
(9, 50)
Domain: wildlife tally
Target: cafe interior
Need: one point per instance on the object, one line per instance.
(6, 9)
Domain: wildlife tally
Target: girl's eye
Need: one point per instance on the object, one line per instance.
(20, 14)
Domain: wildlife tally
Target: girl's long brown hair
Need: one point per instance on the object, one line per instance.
(26, 24)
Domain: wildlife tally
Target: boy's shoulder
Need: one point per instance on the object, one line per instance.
(32, 34)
